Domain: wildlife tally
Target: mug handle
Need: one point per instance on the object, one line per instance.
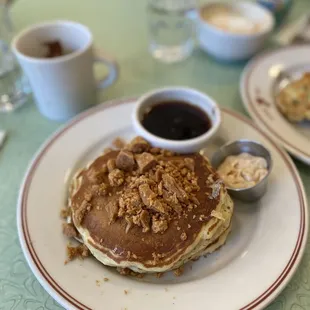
(100, 56)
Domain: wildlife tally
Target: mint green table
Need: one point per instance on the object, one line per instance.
(119, 27)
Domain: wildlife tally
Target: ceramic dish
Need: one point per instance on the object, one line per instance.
(259, 85)
(228, 45)
(261, 254)
(192, 97)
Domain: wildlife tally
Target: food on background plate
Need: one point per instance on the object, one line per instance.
(147, 210)
(243, 170)
(293, 100)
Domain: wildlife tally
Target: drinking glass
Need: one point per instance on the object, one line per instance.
(14, 87)
(172, 28)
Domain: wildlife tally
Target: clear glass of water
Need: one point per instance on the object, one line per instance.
(14, 87)
(172, 29)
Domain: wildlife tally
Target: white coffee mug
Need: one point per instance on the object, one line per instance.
(63, 86)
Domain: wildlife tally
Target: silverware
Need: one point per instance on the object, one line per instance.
(244, 146)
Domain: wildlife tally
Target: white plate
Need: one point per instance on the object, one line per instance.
(260, 256)
(258, 86)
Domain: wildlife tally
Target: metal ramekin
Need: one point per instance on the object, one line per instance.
(244, 146)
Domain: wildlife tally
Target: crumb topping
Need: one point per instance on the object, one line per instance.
(65, 213)
(178, 272)
(80, 251)
(118, 143)
(125, 161)
(69, 230)
(129, 272)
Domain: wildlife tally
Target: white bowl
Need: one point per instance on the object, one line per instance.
(231, 46)
(188, 95)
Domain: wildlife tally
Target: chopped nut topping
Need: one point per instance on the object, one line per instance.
(145, 162)
(107, 150)
(138, 145)
(130, 203)
(119, 143)
(69, 230)
(189, 163)
(104, 168)
(178, 272)
(125, 161)
(160, 189)
(64, 213)
(112, 209)
(155, 150)
(146, 194)
(159, 226)
(94, 176)
(81, 212)
(101, 190)
(80, 251)
(141, 180)
(111, 165)
(88, 196)
(194, 200)
(116, 177)
(158, 175)
(216, 188)
(128, 272)
(129, 221)
(183, 236)
(123, 271)
(145, 220)
(172, 186)
(149, 198)
(167, 153)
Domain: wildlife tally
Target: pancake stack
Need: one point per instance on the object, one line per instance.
(148, 210)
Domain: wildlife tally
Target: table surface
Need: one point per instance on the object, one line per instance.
(119, 27)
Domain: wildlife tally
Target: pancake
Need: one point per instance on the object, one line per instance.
(149, 210)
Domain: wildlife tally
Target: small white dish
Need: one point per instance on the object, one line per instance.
(261, 80)
(188, 95)
(229, 45)
(259, 258)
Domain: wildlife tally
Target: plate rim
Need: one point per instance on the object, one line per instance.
(253, 112)
(65, 299)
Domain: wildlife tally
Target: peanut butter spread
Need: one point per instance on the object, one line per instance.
(243, 170)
